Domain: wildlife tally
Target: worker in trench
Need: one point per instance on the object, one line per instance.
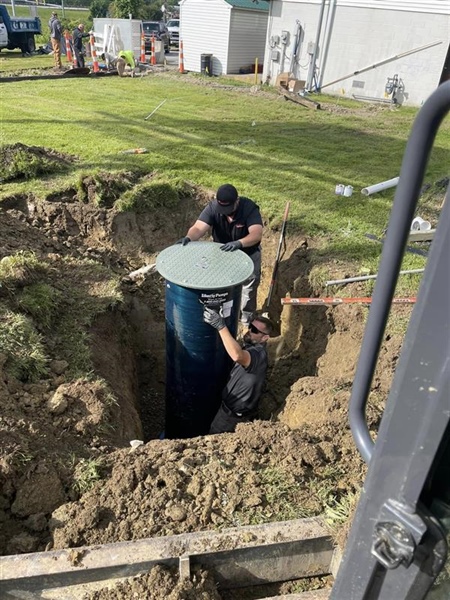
(242, 392)
(236, 223)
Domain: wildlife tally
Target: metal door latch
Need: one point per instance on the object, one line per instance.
(393, 545)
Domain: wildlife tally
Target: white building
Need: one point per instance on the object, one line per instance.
(361, 47)
(232, 31)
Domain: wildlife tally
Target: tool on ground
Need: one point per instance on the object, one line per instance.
(370, 236)
(366, 277)
(155, 109)
(135, 151)
(277, 259)
(337, 301)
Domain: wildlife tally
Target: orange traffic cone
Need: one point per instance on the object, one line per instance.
(153, 59)
(181, 59)
(142, 48)
(94, 55)
(68, 50)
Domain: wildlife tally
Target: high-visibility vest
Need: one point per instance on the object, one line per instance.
(128, 56)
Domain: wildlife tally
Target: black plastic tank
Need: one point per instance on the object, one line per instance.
(197, 365)
(206, 64)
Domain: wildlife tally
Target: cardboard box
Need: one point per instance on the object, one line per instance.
(282, 80)
(296, 85)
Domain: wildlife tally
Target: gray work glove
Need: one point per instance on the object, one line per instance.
(231, 246)
(184, 241)
(213, 318)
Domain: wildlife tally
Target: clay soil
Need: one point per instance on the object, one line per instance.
(69, 476)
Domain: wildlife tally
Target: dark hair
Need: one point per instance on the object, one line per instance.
(268, 325)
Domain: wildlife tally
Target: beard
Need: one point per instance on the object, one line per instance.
(248, 339)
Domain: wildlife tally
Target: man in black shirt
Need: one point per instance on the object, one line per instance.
(242, 392)
(236, 223)
(77, 42)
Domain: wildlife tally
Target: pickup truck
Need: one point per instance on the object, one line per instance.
(18, 32)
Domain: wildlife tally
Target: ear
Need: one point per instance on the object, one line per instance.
(265, 337)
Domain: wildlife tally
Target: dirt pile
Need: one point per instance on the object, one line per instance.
(91, 378)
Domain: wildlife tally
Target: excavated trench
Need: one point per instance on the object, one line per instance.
(295, 462)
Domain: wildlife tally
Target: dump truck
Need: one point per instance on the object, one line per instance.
(18, 32)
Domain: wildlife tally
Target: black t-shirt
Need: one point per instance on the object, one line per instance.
(223, 231)
(244, 387)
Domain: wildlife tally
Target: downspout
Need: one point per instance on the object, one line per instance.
(326, 44)
(312, 66)
(298, 32)
(267, 71)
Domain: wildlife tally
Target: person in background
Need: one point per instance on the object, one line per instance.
(55, 37)
(242, 392)
(236, 223)
(77, 42)
(125, 58)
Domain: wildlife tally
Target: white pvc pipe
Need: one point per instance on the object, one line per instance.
(378, 187)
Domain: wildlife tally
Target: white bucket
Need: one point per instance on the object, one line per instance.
(348, 190)
(339, 189)
(419, 224)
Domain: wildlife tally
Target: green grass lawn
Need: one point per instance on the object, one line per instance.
(271, 149)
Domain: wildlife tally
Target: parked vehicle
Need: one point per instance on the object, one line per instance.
(173, 25)
(160, 31)
(18, 32)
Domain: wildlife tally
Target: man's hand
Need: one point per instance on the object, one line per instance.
(231, 246)
(213, 318)
(184, 241)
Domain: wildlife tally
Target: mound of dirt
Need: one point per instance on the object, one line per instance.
(21, 161)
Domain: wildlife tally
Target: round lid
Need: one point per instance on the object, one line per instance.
(203, 265)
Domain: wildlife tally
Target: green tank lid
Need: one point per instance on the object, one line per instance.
(203, 265)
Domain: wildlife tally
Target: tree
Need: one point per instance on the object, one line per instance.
(99, 9)
(123, 8)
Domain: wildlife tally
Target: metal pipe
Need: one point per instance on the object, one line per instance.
(312, 67)
(296, 47)
(366, 277)
(378, 187)
(326, 46)
(336, 301)
(382, 62)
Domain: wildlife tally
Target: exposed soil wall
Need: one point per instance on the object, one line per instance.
(296, 461)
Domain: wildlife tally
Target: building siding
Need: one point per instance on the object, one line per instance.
(204, 29)
(362, 36)
(248, 31)
(424, 6)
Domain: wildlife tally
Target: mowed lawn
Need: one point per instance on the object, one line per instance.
(209, 132)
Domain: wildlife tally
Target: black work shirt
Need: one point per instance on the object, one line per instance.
(223, 231)
(244, 386)
(77, 38)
